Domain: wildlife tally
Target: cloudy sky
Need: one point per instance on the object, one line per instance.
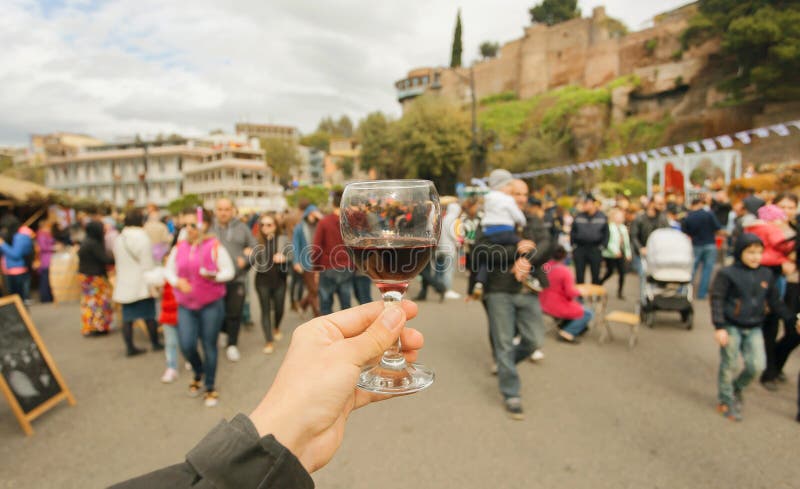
(115, 68)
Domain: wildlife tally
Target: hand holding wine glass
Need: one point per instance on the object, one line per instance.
(391, 228)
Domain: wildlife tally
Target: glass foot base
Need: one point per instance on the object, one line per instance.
(380, 380)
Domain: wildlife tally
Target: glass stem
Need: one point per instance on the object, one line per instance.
(393, 358)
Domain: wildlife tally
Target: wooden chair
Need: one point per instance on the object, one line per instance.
(621, 317)
(596, 298)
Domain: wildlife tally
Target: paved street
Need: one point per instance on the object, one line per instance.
(597, 416)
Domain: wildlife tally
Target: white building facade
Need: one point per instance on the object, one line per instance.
(161, 174)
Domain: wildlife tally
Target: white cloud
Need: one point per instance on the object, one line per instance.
(112, 68)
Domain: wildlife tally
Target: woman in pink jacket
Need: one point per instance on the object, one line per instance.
(197, 269)
(560, 298)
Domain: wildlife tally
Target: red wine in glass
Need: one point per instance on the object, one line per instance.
(391, 228)
(391, 264)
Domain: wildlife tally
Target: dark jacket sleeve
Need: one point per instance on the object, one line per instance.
(231, 456)
(635, 230)
(719, 291)
(606, 235)
(777, 306)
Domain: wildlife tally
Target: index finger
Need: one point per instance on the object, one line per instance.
(352, 322)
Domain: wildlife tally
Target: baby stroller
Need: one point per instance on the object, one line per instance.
(667, 272)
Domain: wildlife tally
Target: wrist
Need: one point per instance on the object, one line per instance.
(281, 425)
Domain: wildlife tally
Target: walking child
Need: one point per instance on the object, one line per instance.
(740, 295)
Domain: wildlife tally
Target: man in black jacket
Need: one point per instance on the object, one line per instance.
(589, 235)
(740, 295)
(512, 308)
(648, 221)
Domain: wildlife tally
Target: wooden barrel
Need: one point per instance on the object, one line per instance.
(64, 277)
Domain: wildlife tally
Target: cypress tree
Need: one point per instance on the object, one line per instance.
(455, 57)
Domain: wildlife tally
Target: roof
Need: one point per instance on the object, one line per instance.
(21, 190)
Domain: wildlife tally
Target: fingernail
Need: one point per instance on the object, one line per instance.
(391, 317)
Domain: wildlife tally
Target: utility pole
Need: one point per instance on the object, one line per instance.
(476, 170)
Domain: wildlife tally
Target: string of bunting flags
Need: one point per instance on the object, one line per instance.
(724, 141)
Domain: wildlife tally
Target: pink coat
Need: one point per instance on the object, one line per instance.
(558, 299)
(776, 248)
(189, 259)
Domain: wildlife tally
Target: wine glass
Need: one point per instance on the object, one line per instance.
(391, 228)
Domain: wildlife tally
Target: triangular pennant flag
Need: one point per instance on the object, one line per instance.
(761, 132)
(624, 160)
(679, 149)
(653, 154)
(633, 158)
(643, 156)
(725, 141)
(743, 136)
(666, 151)
(794, 123)
(709, 145)
(694, 146)
(780, 129)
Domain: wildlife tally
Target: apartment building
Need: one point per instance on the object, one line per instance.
(268, 131)
(142, 172)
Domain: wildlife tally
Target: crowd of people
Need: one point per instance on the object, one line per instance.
(750, 297)
(187, 278)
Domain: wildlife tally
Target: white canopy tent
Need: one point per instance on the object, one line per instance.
(729, 161)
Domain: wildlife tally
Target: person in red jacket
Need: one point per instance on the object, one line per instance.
(560, 298)
(768, 228)
(330, 256)
(169, 322)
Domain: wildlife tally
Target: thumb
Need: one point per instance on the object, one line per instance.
(380, 335)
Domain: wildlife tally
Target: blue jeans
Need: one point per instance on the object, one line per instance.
(203, 323)
(508, 314)
(576, 326)
(339, 282)
(748, 342)
(171, 346)
(20, 285)
(707, 256)
(362, 287)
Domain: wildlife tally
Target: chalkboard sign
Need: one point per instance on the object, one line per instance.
(30, 380)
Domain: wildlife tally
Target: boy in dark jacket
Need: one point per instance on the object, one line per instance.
(740, 295)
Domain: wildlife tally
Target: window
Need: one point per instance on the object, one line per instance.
(161, 166)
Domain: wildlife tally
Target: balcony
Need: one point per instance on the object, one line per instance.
(410, 92)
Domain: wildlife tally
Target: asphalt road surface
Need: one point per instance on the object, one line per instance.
(597, 416)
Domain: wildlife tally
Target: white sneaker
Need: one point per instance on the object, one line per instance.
(170, 376)
(222, 340)
(210, 399)
(233, 353)
(187, 366)
(452, 294)
(537, 356)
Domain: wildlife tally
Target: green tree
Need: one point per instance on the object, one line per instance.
(761, 43)
(378, 145)
(282, 156)
(348, 166)
(433, 139)
(189, 200)
(552, 12)
(489, 49)
(344, 127)
(317, 195)
(455, 56)
(317, 139)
